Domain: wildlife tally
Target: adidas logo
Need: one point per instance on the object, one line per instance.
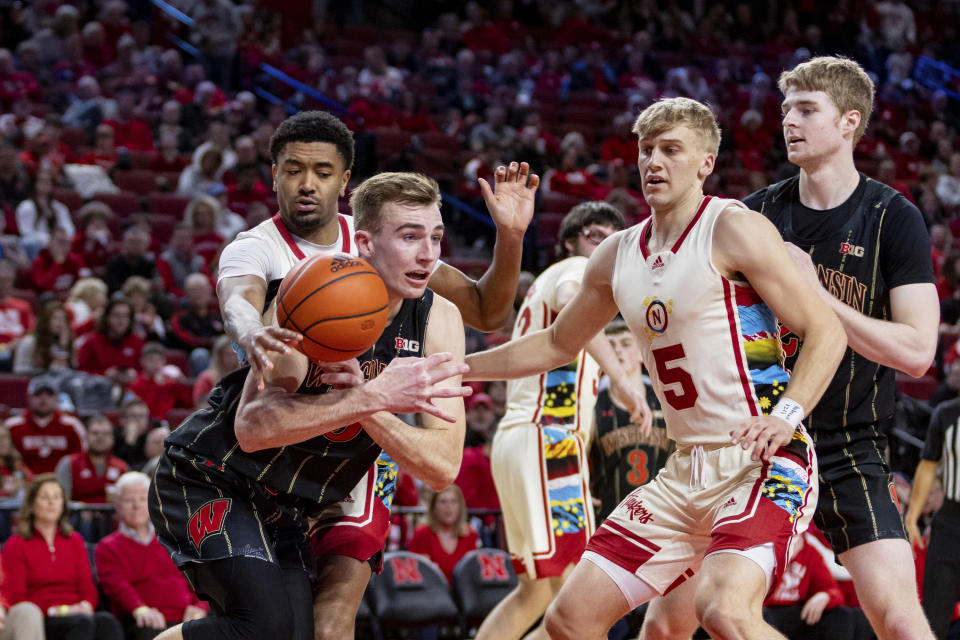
(729, 503)
(658, 263)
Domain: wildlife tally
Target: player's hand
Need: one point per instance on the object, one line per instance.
(149, 617)
(635, 400)
(193, 613)
(408, 385)
(913, 532)
(765, 434)
(82, 607)
(803, 260)
(341, 375)
(813, 608)
(257, 342)
(510, 202)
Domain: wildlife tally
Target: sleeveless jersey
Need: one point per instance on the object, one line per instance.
(564, 396)
(851, 267)
(621, 459)
(711, 344)
(319, 471)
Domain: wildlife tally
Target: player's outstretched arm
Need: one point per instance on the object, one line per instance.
(485, 303)
(582, 318)
(241, 301)
(432, 451)
(746, 243)
(907, 342)
(277, 416)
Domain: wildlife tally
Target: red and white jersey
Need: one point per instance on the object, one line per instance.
(711, 344)
(564, 396)
(269, 250)
(86, 485)
(16, 318)
(43, 446)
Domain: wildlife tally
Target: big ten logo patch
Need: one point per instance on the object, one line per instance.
(403, 344)
(851, 249)
(208, 520)
(493, 567)
(406, 571)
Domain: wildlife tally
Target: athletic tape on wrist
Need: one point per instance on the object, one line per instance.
(787, 409)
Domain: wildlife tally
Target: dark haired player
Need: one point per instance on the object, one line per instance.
(312, 154)
(240, 480)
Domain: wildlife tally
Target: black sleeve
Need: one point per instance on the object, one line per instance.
(905, 245)
(755, 200)
(942, 417)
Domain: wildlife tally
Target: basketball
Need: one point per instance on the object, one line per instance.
(338, 303)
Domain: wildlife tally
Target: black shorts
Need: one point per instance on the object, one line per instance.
(858, 503)
(204, 512)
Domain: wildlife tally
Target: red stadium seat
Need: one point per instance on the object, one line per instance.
(70, 198)
(74, 137)
(548, 225)
(920, 388)
(391, 141)
(13, 390)
(558, 203)
(179, 358)
(142, 159)
(123, 203)
(140, 181)
(438, 140)
(167, 203)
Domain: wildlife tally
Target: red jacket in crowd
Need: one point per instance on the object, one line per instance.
(426, 542)
(805, 575)
(86, 485)
(42, 446)
(48, 577)
(133, 574)
(98, 353)
(16, 318)
(58, 277)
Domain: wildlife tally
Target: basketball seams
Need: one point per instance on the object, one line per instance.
(323, 286)
(350, 317)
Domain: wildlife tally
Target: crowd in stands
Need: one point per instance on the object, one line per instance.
(127, 163)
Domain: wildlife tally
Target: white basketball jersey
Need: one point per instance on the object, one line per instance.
(564, 396)
(269, 250)
(711, 345)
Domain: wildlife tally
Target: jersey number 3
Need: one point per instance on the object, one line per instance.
(686, 397)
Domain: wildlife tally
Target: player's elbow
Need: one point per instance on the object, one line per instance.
(442, 475)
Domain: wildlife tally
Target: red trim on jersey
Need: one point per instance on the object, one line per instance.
(746, 296)
(608, 542)
(729, 301)
(543, 376)
(645, 238)
(683, 236)
(581, 366)
(287, 236)
(344, 232)
(542, 455)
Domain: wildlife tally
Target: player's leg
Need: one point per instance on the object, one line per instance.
(519, 610)
(673, 616)
(596, 595)
(341, 581)
(888, 590)
(729, 599)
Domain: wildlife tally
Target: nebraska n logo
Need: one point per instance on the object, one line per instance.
(208, 520)
(493, 568)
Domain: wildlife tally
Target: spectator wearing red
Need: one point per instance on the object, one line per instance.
(87, 300)
(887, 174)
(72, 64)
(446, 537)
(147, 323)
(99, 51)
(134, 259)
(198, 323)
(131, 131)
(13, 473)
(14, 84)
(201, 216)
(223, 360)
(104, 152)
(804, 602)
(146, 591)
(56, 269)
(46, 563)
(179, 260)
(112, 349)
(480, 34)
(159, 384)
(622, 143)
(247, 187)
(49, 345)
(87, 476)
(574, 180)
(42, 433)
(475, 478)
(93, 241)
(16, 316)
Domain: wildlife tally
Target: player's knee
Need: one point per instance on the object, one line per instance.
(559, 625)
(658, 628)
(333, 627)
(718, 615)
(903, 622)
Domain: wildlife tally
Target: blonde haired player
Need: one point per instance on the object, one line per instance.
(699, 282)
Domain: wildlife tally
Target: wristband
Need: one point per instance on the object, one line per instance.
(788, 410)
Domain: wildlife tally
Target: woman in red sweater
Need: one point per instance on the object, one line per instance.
(46, 563)
(446, 537)
(112, 349)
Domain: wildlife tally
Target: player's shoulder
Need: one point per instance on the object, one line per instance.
(443, 309)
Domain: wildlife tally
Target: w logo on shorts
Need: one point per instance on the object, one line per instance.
(208, 520)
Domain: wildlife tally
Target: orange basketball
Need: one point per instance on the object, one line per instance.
(338, 303)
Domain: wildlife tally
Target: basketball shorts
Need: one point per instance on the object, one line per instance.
(204, 512)
(358, 526)
(858, 503)
(711, 501)
(543, 482)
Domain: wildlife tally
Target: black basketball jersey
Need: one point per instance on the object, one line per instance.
(324, 469)
(620, 458)
(873, 242)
